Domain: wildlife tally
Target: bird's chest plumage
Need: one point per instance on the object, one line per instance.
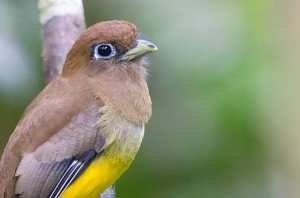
(122, 141)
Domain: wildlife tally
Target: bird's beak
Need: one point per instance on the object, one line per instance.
(142, 47)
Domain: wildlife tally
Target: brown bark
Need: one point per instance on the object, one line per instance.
(59, 34)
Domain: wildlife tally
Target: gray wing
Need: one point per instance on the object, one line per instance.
(78, 165)
(79, 141)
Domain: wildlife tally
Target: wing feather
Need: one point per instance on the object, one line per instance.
(58, 162)
(79, 164)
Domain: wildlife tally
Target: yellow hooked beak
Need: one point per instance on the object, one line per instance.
(143, 47)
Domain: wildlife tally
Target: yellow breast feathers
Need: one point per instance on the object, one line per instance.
(122, 141)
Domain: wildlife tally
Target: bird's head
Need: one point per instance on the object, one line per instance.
(108, 61)
(110, 45)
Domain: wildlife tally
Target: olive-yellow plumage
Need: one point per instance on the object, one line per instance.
(115, 159)
(84, 129)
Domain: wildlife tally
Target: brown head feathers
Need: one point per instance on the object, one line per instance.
(121, 35)
(107, 58)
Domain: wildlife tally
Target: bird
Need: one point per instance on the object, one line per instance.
(84, 129)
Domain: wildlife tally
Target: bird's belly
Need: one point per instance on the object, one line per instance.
(123, 140)
(101, 174)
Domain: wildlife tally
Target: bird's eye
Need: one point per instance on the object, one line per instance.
(104, 51)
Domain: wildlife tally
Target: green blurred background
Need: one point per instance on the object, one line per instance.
(223, 85)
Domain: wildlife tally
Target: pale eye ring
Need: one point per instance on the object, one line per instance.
(104, 51)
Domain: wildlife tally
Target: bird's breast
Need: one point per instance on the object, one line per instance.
(123, 139)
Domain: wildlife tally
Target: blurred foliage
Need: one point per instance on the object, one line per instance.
(205, 138)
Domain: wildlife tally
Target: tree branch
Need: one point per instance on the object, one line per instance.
(62, 22)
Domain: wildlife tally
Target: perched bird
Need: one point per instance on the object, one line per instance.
(84, 129)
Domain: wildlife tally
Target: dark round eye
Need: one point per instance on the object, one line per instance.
(104, 51)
